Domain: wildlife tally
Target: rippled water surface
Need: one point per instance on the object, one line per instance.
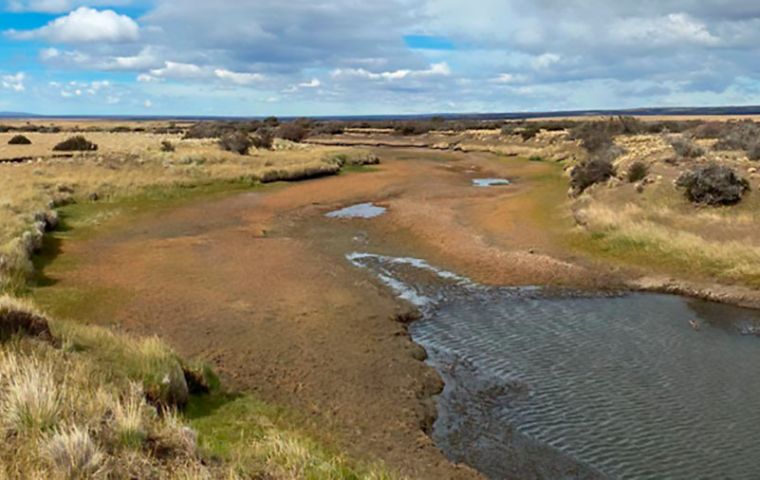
(558, 385)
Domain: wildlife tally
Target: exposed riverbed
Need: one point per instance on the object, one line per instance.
(556, 384)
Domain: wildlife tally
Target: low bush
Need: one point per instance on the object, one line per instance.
(739, 136)
(713, 184)
(238, 142)
(292, 131)
(167, 146)
(637, 171)
(594, 136)
(590, 172)
(75, 144)
(710, 130)
(19, 140)
(685, 147)
(529, 132)
(263, 139)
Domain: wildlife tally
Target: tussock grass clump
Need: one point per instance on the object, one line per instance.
(167, 146)
(75, 144)
(32, 399)
(19, 140)
(713, 184)
(73, 454)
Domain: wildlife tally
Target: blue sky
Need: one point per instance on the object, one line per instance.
(261, 57)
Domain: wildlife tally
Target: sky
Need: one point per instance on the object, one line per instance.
(363, 57)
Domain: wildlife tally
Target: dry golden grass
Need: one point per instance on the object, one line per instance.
(30, 190)
(658, 229)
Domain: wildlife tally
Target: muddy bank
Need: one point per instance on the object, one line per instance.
(729, 294)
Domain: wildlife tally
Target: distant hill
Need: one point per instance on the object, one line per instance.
(660, 111)
(17, 115)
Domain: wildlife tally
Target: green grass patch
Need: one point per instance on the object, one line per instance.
(258, 438)
(347, 169)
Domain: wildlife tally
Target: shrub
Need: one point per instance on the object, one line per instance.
(238, 142)
(294, 132)
(19, 140)
(590, 172)
(271, 122)
(75, 144)
(412, 128)
(637, 171)
(753, 150)
(685, 147)
(710, 130)
(594, 136)
(205, 130)
(713, 184)
(263, 139)
(167, 146)
(739, 136)
(529, 132)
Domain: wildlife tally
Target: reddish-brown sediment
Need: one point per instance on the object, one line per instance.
(258, 284)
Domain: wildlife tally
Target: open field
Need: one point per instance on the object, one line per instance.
(205, 250)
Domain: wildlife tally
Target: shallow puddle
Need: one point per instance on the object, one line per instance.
(362, 210)
(560, 384)
(490, 182)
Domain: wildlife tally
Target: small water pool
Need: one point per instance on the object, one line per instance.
(490, 182)
(362, 210)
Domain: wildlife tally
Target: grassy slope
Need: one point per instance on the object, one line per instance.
(236, 429)
(245, 437)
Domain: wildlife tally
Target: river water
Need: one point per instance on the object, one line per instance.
(552, 384)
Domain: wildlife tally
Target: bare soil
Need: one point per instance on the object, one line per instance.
(258, 284)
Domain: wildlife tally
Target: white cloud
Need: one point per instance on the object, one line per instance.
(545, 61)
(672, 29)
(14, 82)
(177, 70)
(437, 69)
(84, 25)
(148, 104)
(313, 83)
(509, 78)
(238, 78)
